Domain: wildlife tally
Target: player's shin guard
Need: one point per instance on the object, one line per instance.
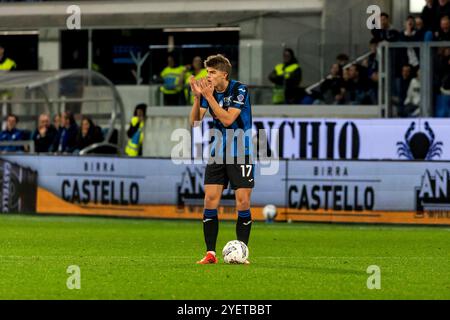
(210, 228)
(243, 226)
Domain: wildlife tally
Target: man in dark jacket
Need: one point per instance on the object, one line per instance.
(386, 33)
(428, 15)
(45, 134)
(444, 31)
(442, 10)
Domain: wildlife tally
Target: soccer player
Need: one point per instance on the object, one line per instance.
(228, 102)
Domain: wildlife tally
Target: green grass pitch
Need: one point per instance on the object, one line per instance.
(152, 259)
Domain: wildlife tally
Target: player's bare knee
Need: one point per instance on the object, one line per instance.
(243, 203)
(211, 200)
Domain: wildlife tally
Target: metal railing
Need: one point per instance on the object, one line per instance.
(387, 73)
(27, 144)
(348, 65)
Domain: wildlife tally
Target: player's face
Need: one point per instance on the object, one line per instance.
(216, 77)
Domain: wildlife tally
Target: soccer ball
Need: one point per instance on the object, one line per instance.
(269, 212)
(235, 251)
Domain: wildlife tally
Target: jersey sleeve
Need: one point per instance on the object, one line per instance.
(239, 97)
(203, 103)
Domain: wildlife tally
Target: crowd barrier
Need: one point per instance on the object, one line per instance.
(349, 191)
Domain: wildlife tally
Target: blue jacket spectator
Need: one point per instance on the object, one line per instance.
(66, 139)
(11, 134)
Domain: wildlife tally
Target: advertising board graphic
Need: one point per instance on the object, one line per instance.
(413, 192)
(18, 189)
(344, 139)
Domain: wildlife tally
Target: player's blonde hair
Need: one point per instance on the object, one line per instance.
(220, 63)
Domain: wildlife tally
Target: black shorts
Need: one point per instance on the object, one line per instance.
(238, 175)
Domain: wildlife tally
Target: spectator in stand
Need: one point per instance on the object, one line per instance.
(57, 121)
(199, 72)
(441, 68)
(409, 34)
(173, 82)
(409, 55)
(442, 10)
(444, 31)
(371, 65)
(428, 15)
(443, 98)
(332, 90)
(88, 134)
(66, 139)
(11, 133)
(6, 64)
(45, 134)
(412, 101)
(423, 34)
(342, 60)
(444, 63)
(356, 87)
(287, 77)
(135, 132)
(400, 89)
(386, 33)
(420, 28)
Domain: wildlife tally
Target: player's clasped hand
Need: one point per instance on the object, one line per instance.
(201, 87)
(195, 87)
(206, 87)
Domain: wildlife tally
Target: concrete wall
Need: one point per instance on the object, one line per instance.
(263, 40)
(49, 49)
(299, 32)
(345, 29)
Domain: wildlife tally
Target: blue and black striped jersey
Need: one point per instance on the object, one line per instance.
(235, 96)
